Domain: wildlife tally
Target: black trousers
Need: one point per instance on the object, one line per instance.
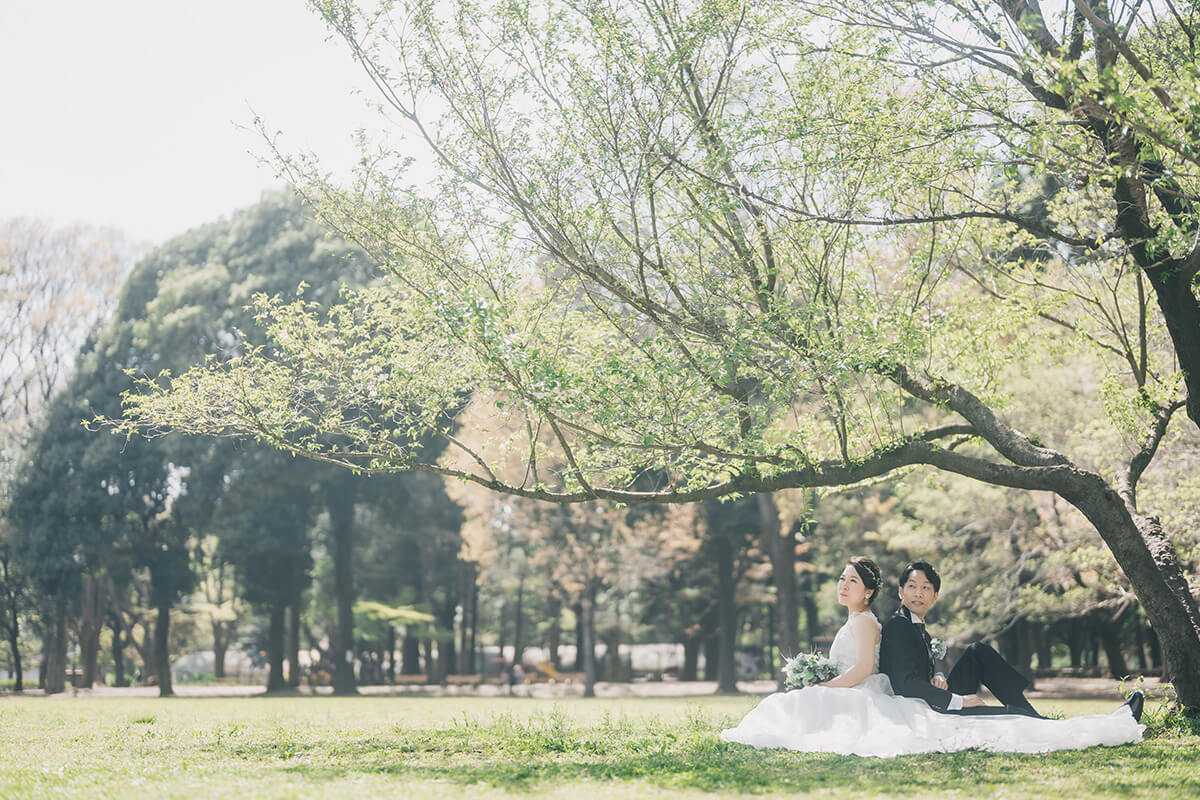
(979, 666)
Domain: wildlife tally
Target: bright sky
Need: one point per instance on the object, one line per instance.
(136, 113)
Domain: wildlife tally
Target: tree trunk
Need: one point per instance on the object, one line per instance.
(578, 610)
(1108, 629)
(56, 652)
(691, 659)
(13, 623)
(518, 622)
(471, 651)
(447, 657)
(425, 549)
(44, 660)
(1042, 646)
(781, 548)
(712, 656)
(118, 651)
(1148, 558)
(162, 650)
(1172, 283)
(91, 620)
(808, 599)
(220, 629)
(1139, 646)
(275, 617)
(410, 661)
(1022, 649)
(554, 633)
(1075, 642)
(1155, 650)
(220, 648)
(612, 653)
(465, 592)
(341, 529)
(430, 661)
(293, 644)
(14, 647)
(727, 617)
(587, 635)
(390, 644)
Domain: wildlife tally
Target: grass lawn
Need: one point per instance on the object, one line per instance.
(511, 747)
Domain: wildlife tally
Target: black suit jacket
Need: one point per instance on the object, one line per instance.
(905, 658)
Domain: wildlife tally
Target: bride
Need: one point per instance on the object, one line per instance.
(856, 713)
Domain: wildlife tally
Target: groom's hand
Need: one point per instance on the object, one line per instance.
(939, 680)
(971, 701)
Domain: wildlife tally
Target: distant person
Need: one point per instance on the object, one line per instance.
(857, 713)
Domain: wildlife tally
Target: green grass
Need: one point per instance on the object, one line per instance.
(513, 747)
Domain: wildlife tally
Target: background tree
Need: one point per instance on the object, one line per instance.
(263, 524)
(55, 284)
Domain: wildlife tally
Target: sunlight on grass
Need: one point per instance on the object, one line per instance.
(505, 747)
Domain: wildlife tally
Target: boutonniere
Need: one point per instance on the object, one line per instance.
(937, 649)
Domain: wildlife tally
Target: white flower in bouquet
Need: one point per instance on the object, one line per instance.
(806, 669)
(937, 648)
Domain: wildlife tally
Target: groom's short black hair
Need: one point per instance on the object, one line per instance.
(923, 566)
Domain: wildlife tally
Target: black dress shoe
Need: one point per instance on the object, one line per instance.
(1026, 708)
(1136, 702)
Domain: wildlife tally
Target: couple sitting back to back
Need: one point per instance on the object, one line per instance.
(887, 699)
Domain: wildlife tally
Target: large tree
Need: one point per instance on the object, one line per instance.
(681, 240)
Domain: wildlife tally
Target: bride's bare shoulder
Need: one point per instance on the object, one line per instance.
(865, 621)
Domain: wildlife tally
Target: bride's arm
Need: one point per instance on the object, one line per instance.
(865, 635)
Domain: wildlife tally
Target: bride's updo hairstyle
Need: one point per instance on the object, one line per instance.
(868, 572)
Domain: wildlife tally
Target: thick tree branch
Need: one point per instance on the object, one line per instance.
(1008, 441)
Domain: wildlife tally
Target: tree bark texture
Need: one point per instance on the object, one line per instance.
(1148, 558)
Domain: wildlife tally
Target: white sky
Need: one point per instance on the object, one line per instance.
(136, 113)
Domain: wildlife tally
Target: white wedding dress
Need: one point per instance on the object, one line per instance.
(868, 720)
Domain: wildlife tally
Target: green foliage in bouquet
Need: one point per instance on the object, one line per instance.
(806, 669)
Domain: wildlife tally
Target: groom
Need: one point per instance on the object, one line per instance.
(905, 657)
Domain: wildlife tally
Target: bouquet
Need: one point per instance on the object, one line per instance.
(806, 669)
(937, 648)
